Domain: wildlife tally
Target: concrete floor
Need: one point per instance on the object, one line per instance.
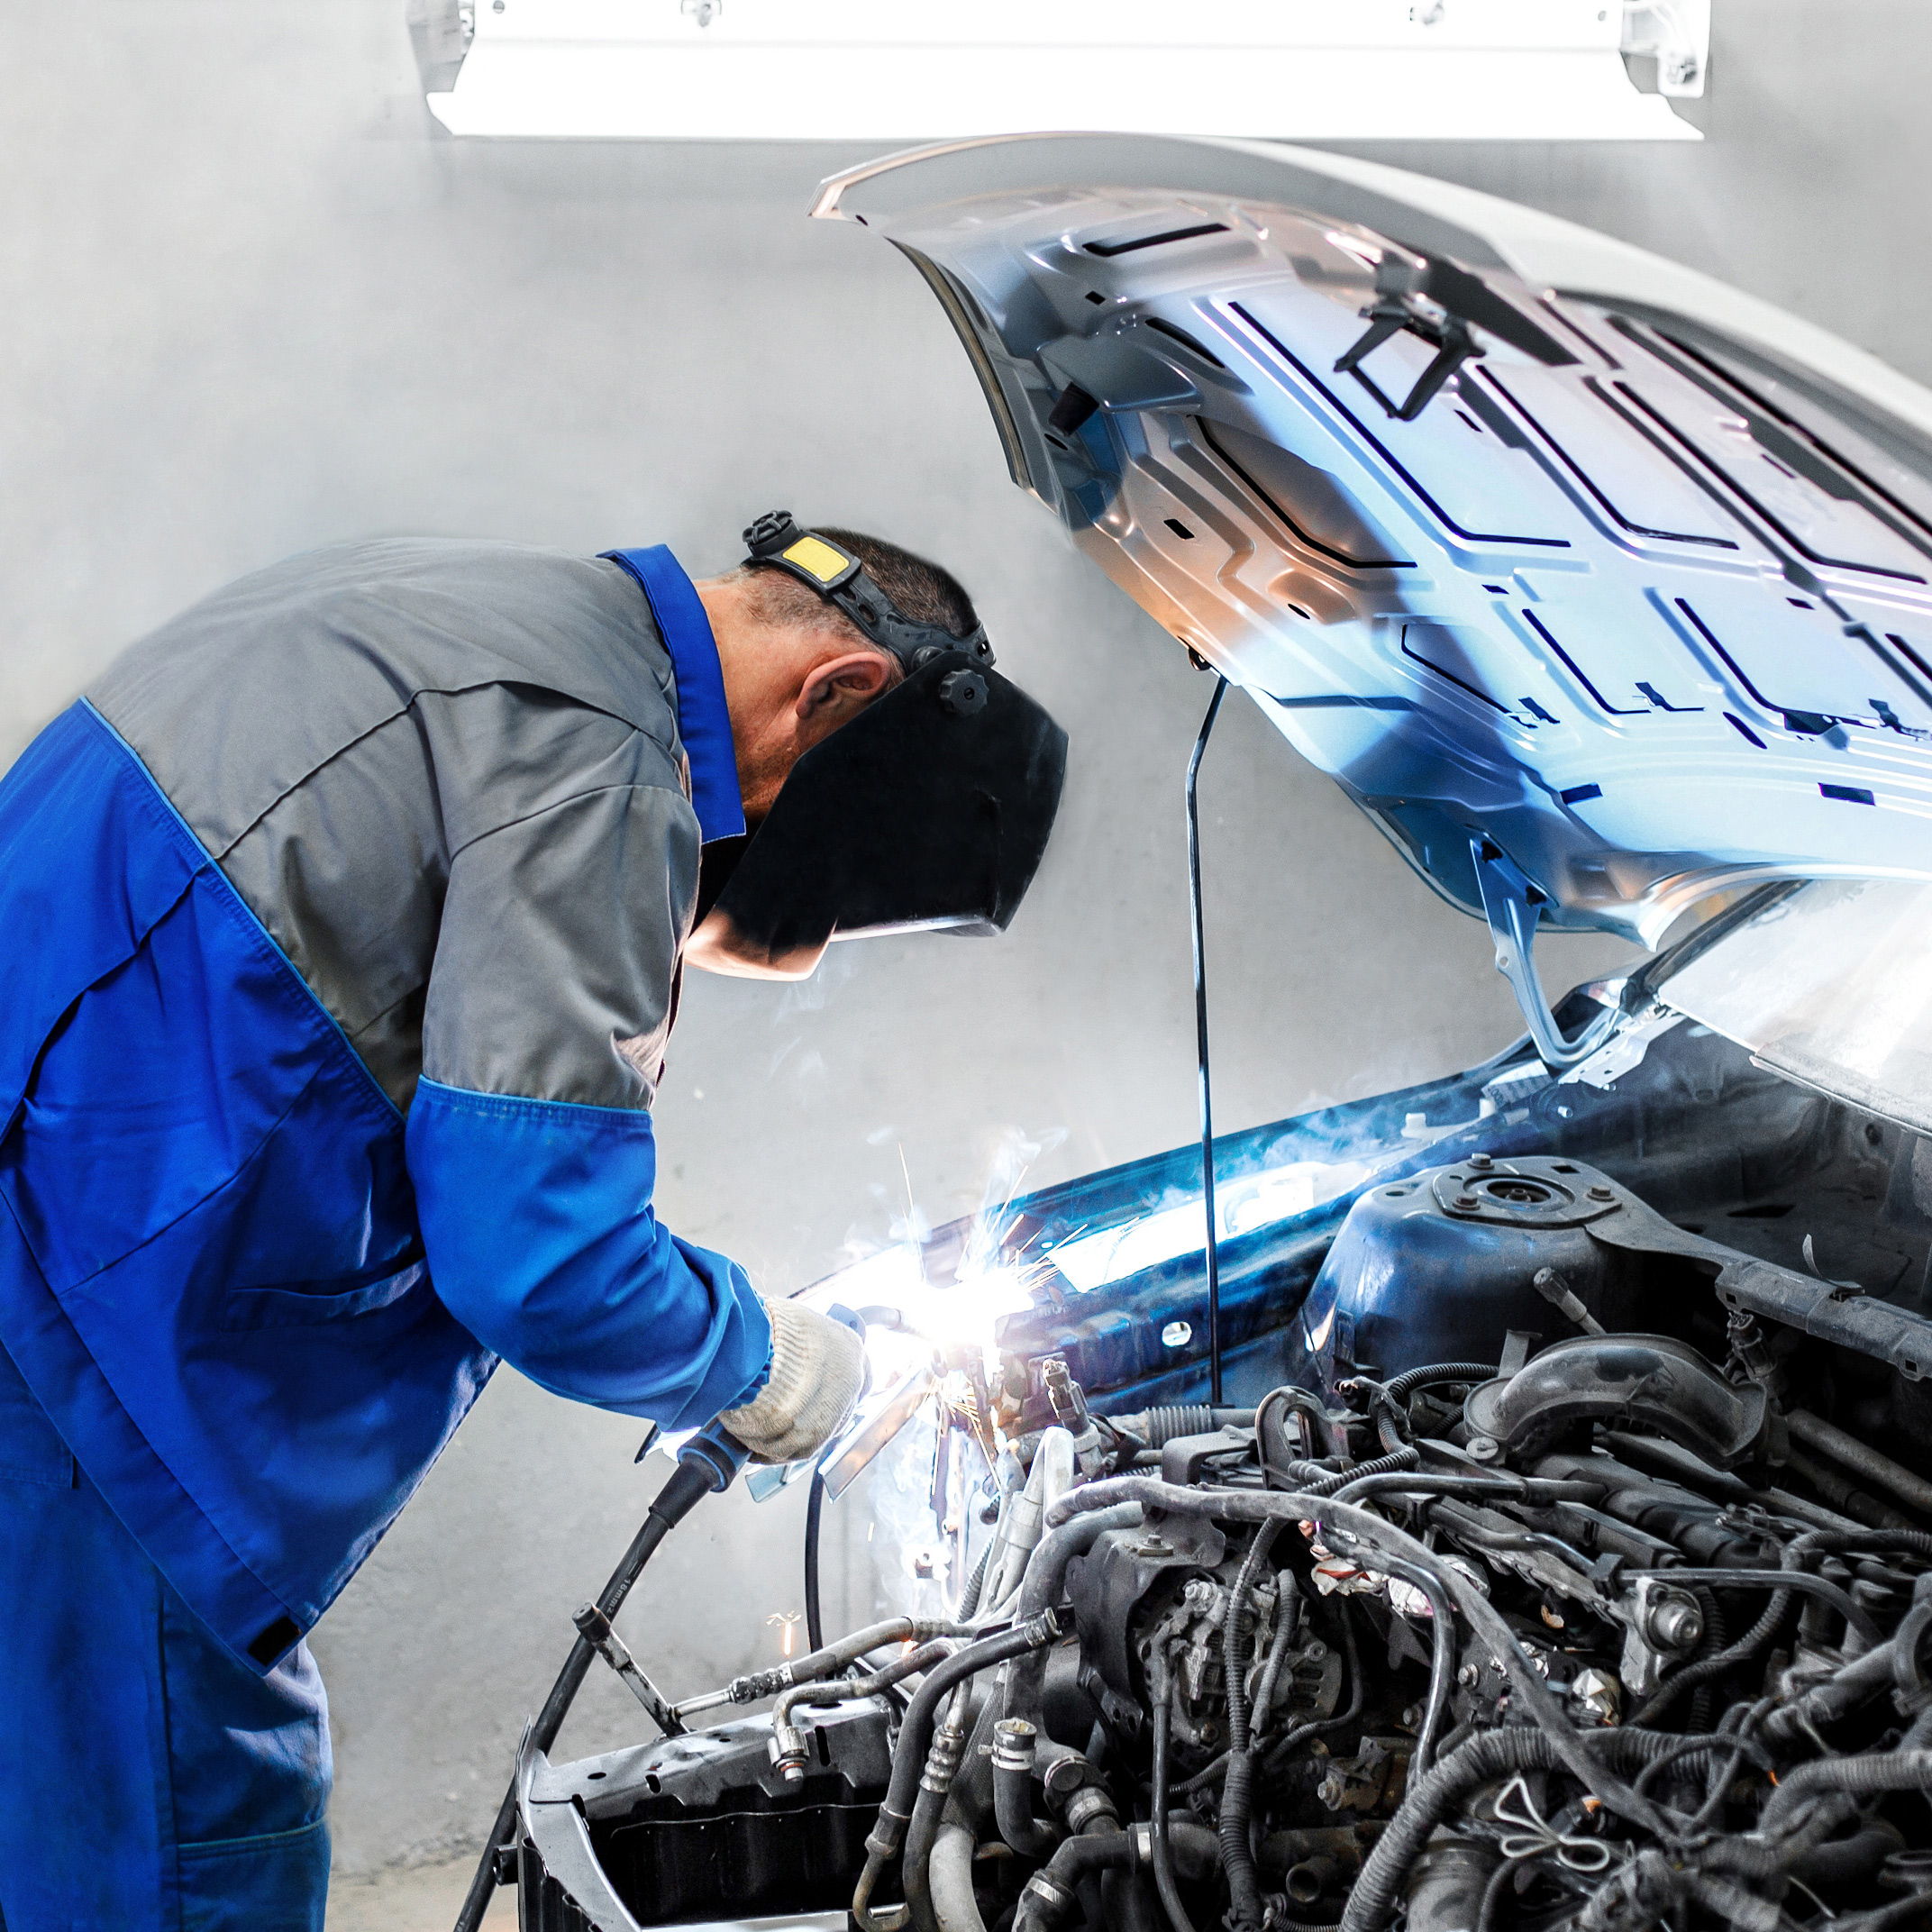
(425, 1899)
(412, 1898)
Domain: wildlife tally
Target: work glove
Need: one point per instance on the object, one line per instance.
(818, 1368)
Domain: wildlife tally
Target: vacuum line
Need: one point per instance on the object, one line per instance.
(1201, 1035)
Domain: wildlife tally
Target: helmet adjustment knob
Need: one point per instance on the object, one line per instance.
(962, 693)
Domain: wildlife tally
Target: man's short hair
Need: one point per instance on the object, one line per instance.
(921, 589)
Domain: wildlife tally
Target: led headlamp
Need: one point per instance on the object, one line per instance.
(837, 576)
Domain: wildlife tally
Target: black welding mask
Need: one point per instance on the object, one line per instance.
(929, 810)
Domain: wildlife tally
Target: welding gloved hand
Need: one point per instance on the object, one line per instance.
(817, 1370)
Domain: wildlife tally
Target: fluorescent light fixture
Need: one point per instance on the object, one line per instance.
(906, 71)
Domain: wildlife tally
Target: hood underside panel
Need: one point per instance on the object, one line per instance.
(1645, 605)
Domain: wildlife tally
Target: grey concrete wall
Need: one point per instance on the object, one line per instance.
(254, 304)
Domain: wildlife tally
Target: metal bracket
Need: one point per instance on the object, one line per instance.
(1678, 33)
(1512, 904)
(595, 1628)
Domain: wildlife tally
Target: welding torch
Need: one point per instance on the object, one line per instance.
(707, 1463)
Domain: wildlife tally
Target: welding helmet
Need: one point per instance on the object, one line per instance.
(930, 809)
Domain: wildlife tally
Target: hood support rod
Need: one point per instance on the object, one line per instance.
(1201, 1038)
(1513, 906)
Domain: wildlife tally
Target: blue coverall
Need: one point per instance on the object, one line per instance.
(340, 926)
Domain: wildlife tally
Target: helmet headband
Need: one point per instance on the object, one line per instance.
(827, 566)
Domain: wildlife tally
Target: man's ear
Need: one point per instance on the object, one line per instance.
(841, 688)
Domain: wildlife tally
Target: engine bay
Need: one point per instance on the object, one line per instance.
(1572, 1568)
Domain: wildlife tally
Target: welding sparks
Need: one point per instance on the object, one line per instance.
(786, 1620)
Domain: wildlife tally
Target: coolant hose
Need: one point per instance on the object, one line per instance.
(1015, 1743)
(915, 1734)
(1051, 1893)
(954, 1908)
(1046, 1579)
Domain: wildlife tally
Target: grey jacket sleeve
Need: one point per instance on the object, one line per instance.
(555, 967)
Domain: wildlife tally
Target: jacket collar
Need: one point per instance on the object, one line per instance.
(704, 724)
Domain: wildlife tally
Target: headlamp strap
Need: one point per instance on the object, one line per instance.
(843, 580)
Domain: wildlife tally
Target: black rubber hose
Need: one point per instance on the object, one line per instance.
(1706, 1668)
(1030, 1836)
(1040, 1591)
(1856, 1777)
(1284, 1748)
(915, 1734)
(1315, 1481)
(1846, 1861)
(1243, 1885)
(1163, 1859)
(1482, 1760)
(814, 1510)
(1442, 1656)
(688, 1485)
(1049, 1897)
(1533, 1695)
(1410, 1379)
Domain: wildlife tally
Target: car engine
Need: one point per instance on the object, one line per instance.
(1582, 1580)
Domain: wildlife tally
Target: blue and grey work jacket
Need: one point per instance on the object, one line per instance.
(338, 941)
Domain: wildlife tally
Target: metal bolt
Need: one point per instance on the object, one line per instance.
(1601, 1193)
(1481, 1162)
(1330, 1791)
(1484, 1448)
(1469, 1676)
(1675, 1623)
(1465, 1200)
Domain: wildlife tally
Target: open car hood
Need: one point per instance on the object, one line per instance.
(1634, 608)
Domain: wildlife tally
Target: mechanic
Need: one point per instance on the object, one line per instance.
(344, 922)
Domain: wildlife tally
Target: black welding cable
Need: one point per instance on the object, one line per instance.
(1201, 1035)
(688, 1485)
(814, 1510)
